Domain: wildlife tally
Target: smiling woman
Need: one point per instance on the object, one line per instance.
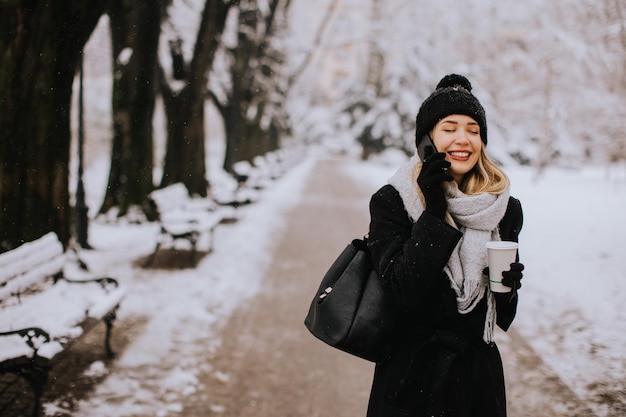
(428, 231)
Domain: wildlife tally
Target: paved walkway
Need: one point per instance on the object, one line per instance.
(275, 367)
(272, 367)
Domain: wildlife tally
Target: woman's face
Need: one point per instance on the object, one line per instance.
(458, 136)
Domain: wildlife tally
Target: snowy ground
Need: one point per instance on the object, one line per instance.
(571, 308)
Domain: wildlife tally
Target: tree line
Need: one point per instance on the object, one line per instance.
(551, 75)
(41, 46)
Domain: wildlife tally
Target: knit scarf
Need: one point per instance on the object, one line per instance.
(477, 217)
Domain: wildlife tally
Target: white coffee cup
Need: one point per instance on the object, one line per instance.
(500, 255)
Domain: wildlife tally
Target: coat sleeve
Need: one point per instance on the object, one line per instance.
(409, 257)
(510, 227)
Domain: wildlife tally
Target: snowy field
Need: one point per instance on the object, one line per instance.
(571, 308)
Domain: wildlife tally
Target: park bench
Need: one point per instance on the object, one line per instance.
(249, 176)
(253, 177)
(261, 172)
(184, 218)
(238, 193)
(42, 312)
(271, 165)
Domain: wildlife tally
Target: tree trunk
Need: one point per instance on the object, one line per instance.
(40, 45)
(236, 123)
(253, 73)
(245, 139)
(185, 150)
(136, 26)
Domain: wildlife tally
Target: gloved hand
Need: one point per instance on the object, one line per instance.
(434, 172)
(511, 278)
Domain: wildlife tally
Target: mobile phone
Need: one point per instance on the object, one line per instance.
(426, 147)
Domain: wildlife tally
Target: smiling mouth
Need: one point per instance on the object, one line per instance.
(460, 154)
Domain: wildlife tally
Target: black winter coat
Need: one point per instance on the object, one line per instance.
(440, 365)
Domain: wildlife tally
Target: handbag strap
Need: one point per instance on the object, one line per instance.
(361, 244)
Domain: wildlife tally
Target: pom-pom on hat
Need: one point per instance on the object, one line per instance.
(453, 95)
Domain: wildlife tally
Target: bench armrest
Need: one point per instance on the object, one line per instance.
(103, 281)
(29, 334)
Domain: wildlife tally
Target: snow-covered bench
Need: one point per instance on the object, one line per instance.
(182, 217)
(272, 165)
(236, 194)
(263, 170)
(42, 312)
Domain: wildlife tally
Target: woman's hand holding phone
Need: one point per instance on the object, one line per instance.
(430, 179)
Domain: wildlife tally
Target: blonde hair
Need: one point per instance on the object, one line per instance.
(485, 177)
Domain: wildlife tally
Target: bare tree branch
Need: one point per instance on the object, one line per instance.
(316, 42)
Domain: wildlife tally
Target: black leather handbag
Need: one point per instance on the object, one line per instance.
(351, 311)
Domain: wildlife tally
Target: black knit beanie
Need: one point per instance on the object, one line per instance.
(453, 95)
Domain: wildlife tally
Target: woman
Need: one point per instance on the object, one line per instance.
(427, 239)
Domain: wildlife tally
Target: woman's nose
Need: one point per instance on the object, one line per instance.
(461, 137)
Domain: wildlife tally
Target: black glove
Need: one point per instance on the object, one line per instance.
(511, 278)
(434, 172)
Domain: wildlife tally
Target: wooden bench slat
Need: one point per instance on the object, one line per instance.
(30, 249)
(28, 255)
(171, 197)
(19, 284)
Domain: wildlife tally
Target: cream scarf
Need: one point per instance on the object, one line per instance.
(477, 217)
